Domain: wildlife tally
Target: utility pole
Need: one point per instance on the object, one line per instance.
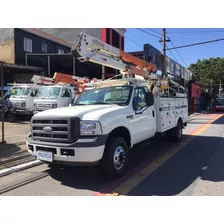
(164, 40)
(164, 52)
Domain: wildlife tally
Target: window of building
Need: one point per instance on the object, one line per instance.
(60, 51)
(122, 43)
(44, 47)
(115, 39)
(27, 44)
(108, 35)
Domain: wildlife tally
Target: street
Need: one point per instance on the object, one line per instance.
(156, 168)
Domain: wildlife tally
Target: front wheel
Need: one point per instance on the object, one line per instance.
(115, 157)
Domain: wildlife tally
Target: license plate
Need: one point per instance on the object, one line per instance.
(45, 156)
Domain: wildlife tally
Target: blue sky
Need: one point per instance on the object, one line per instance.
(180, 37)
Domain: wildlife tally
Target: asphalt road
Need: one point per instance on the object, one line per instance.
(156, 167)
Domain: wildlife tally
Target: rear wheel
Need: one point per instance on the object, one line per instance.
(115, 157)
(175, 134)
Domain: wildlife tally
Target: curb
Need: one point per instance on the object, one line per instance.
(17, 168)
(193, 116)
(11, 145)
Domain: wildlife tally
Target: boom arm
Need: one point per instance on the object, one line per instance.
(88, 48)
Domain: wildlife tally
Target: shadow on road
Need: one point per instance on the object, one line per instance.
(200, 158)
(7, 149)
(22, 119)
(90, 178)
(196, 160)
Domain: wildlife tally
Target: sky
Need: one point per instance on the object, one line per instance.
(179, 37)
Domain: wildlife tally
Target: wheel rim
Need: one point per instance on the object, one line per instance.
(119, 157)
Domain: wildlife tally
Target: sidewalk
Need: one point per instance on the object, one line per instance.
(191, 116)
(14, 152)
(15, 133)
(14, 156)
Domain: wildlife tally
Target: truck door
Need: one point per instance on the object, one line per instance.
(144, 119)
(66, 97)
(30, 99)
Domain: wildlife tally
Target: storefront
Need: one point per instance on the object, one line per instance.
(195, 97)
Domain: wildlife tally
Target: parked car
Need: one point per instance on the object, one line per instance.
(219, 106)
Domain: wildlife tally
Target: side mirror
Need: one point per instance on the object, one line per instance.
(149, 99)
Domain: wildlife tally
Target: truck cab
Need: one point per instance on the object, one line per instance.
(55, 96)
(22, 98)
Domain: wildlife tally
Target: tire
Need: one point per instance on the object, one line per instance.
(115, 158)
(178, 132)
(175, 134)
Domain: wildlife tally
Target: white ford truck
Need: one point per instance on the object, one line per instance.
(103, 125)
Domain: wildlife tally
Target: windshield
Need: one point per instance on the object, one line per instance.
(20, 91)
(51, 92)
(108, 95)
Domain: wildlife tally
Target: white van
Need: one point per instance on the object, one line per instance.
(49, 97)
(22, 98)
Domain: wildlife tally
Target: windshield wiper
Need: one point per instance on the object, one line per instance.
(93, 103)
(98, 103)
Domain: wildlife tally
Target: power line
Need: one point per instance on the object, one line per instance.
(198, 31)
(200, 43)
(133, 41)
(154, 31)
(173, 56)
(178, 53)
(149, 33)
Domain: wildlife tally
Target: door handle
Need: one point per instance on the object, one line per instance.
(153, 113)
(130, 116)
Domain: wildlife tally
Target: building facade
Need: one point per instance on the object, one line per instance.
(112, 36)
(32, 46)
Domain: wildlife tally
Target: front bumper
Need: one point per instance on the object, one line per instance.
(22, 112)
(86, 151)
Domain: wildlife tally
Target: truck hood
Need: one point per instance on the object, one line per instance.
(17, 97)
(45, 100)
(84, 112)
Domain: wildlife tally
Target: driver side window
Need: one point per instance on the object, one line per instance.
(66, 93)
(139, 100)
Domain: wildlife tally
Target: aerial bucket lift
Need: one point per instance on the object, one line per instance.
(132, 69)
(61, 79)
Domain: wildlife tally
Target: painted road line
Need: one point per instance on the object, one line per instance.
(141, 175)
(170, 149)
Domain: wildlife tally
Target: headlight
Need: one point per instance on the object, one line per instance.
(54, 105)
(23, 104)
(90, 128)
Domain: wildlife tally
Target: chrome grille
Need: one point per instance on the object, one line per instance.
(55, 130)
(44, 106)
